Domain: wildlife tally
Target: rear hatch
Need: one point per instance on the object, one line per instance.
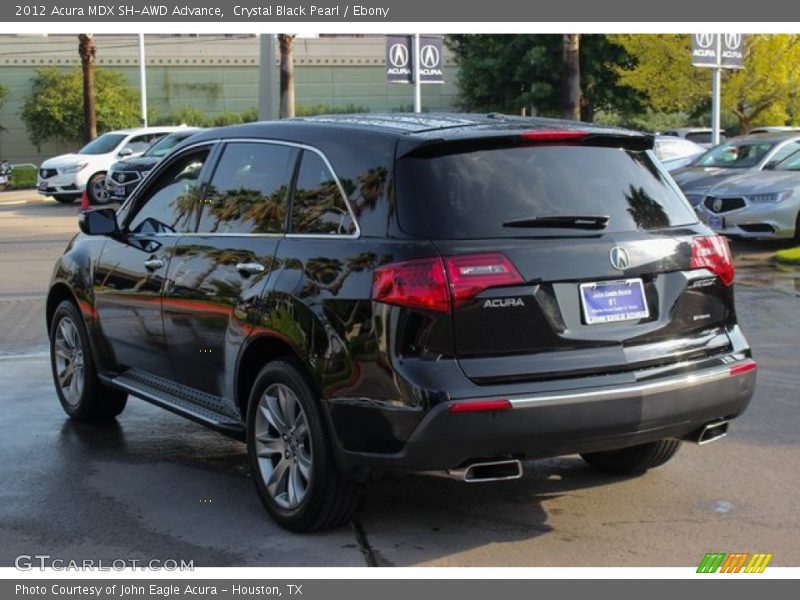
(566, 256)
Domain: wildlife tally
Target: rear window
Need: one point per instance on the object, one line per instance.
(472, 194)
(703, 137)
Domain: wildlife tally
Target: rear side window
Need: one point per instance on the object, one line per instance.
(249, 189)
(472, 194)
(318, 206)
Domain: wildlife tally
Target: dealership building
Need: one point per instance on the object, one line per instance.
(213, 73)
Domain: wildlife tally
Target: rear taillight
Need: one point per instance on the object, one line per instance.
(422, 283)
(469, 275)
(711, 252)
(414, 283)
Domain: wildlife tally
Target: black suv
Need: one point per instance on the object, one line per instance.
(359, 294)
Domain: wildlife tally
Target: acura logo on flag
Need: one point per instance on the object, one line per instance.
(429, 56)
(398, 55)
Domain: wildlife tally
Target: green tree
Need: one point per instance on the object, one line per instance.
(763, 93)
(54, 108)
(508, 73)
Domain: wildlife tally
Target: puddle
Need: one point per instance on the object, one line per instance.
(780, 278)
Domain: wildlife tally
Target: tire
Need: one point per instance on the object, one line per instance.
(66, 199)
(293, 467)
(634, 460)
(81, 394)
(97, 191)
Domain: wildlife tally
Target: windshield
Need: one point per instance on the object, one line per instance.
(735, 155)
(472, 195)
(167, 143)
(103, 144)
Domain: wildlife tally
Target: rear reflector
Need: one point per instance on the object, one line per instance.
(744, 367)
(422, 283)
(469, 275)
(553, 136)
(417, 283)
(711, 252)
(480, 406)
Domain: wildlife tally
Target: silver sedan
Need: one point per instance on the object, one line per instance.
(756, 204)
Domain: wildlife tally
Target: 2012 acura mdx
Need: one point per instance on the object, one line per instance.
(354, 295)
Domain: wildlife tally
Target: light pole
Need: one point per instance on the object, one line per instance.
(266, 77)
(417, 77)
(142, 81)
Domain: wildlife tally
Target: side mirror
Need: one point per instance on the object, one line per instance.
(101, 221)
(771, 165)
(125, 152)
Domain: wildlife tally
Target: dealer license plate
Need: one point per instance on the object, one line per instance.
(612, 301)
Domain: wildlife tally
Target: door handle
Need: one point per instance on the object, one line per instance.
(153, 264)
(250, 268)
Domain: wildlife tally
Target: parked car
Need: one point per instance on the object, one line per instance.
(675, 153)
(65, 177)
(760, 204)
(700, 135)
(450, 294)
(5, 174)
(126, 174)
(746, 153)
(773, 129)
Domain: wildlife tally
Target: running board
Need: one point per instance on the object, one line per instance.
(133, 383)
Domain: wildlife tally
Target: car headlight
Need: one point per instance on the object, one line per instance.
(74, 168)
(772, 198)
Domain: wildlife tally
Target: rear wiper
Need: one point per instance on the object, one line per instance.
(571, 221)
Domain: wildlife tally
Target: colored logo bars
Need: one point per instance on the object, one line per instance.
(736, 562)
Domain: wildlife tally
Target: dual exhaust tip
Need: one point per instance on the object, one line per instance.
(508, 469)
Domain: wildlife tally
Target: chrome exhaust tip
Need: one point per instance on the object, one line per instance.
(710, 432)
(496, 470)
(713, 432)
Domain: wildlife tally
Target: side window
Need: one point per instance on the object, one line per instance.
(785, 152)
(140, 143)
(317, 204)
(173, 202)
(249, 189)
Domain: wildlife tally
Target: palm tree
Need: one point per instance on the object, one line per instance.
(286, 42)
(571, 77)
(87, 51)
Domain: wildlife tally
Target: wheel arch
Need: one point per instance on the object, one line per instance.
(59, 292)
(256, 354)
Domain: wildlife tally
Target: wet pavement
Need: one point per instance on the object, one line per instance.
(153, 485)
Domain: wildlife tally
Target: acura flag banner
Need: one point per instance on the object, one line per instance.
(718, 50)
(400, 59)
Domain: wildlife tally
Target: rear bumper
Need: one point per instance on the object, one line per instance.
(568, 422)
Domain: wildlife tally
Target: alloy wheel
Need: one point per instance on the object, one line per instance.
(283, 446)
(99, 190)
(69, 361)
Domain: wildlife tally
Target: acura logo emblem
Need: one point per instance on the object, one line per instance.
(398, 55)
(717, 205)
(619, 258)
(704, 40)
(429, 56)
(733, 40)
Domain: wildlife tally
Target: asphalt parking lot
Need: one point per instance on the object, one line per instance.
(155, 486)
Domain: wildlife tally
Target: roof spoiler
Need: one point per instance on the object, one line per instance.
(637, 142)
